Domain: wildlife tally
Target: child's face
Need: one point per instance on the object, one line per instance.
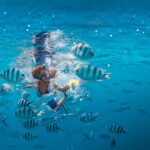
(42, 74)
(45, 74)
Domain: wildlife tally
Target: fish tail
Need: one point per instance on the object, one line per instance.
(26, 80)
(61, 129)
(40, 113)
(106, 75)
(124, 131)
(29, 103)
(4, 122)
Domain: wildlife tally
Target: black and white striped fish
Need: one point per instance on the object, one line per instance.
(116, 128)
(6, 89)
(88, 117)
(25, 95)
(26, 113)
(29, 136)
(82, 50)
(24, 103)
(12, 75)
(89, 72)
(48, 120)
(30, 124)
(53, 128)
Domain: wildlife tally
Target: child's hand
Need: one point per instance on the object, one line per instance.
(73, 82)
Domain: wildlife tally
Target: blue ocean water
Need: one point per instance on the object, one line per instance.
(119, 33)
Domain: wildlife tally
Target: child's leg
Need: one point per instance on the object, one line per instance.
(59, 103)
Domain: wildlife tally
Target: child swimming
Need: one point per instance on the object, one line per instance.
(44, 85)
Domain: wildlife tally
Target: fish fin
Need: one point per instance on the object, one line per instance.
(26, 80)
(29, 103)
(124, 131)
(61, 129)
(4, 122)
(106, 76)
(97, 114)
(40, 113)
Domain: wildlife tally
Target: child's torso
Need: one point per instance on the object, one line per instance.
(45, 88)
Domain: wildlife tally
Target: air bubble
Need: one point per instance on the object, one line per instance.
(53, 16)
(120, 30)
(108, 65)
(110, 35)
(96, 31)
(5, 12)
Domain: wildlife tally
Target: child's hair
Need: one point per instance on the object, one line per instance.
(37, 69)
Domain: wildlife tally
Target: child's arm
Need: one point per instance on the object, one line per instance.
(61, 88)
(28, 86)
(72, 82)
(32, 85)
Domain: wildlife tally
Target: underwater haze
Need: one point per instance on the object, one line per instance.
(98, 114)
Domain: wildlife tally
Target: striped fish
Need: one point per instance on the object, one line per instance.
(29, 136)
(91, 73)
(82, 51)
(30, 124)
(120, 108)
(5, 89)
(88, 117)
(13, 75)
(26, 113)
(53, 128)
(116, 128)
(47, 120)
(25, 95)
(24, 103)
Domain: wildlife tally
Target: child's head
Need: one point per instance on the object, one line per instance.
(38, 71)
(42, 73)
